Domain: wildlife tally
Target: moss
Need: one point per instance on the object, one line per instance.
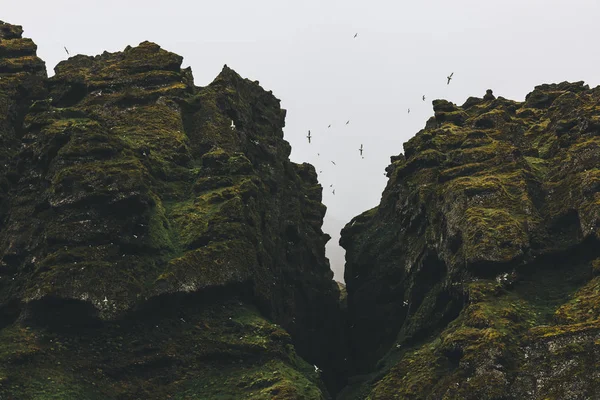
(227, 350)
(500, 206)
(493, 234)
(538, 166)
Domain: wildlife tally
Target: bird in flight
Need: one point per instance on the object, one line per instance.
(66, 50)
(355, 35)
(333, 163)
(232, 125)
(409, 110)
(449, 78)
(333, 192)
(331, 185)
(329, 126)
(347, 122)
(361, 149)
(423, 97)
(309, 136)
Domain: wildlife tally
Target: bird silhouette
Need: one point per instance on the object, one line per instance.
(449, 78)
(423, 97)
(309, 136)
(333, 192)
(361, 149)
(355, 35)
(347, 122)
(232, 125)
(66, 50)
(333, 163)
(409, 110)
(329, 126)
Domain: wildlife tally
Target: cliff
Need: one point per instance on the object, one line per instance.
(147, 248)
(156, 242)
(477, 275)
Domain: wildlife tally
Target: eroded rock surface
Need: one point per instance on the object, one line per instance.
(149, 250)
(476, 276)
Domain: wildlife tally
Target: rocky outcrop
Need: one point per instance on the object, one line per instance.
(476, 276)
(148, 249)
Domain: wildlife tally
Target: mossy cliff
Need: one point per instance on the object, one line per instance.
(477, 275)
(148, 250)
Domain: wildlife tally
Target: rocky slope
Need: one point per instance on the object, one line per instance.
(148, 250)
(477, 277)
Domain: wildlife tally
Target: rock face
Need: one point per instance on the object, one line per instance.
(477, 275)
(147, 248)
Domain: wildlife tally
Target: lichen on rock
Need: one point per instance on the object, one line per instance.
(148, 249)
(473, 278)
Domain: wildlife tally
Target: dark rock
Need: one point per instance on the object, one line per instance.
(489, 95)
(473, 278)
(141, 240)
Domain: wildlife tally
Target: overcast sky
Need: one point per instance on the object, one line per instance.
(306, 53)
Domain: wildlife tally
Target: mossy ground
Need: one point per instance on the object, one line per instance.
(220, 350)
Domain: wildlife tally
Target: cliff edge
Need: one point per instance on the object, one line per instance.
(150, 249)
(476, 276)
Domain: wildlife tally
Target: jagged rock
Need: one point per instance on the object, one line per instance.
(489, 95)
(474, 277)
(147, 249)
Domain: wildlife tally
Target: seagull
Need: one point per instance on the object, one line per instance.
(308, 136)
(423, 97)
(409, 110)
(361, 149)
(66, 50)
(333, 192)
(329, 126)
(355, 35)
(317, 370)
(232, 125)
(347, 122)
(331, 185)
(450, 78)
(105, 300)
(333, 163)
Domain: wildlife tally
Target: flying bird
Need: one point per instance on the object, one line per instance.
(333, 192)
(423, 97)
(449, 78)
(361, 149)
(232, 125)
(409, 110)
(66, 50)
(329, 126)
(309, 136)
(331, 185)
(333, 163)
(355, 35)
(347, 122)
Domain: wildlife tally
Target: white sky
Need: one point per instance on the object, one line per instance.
(304, 51)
